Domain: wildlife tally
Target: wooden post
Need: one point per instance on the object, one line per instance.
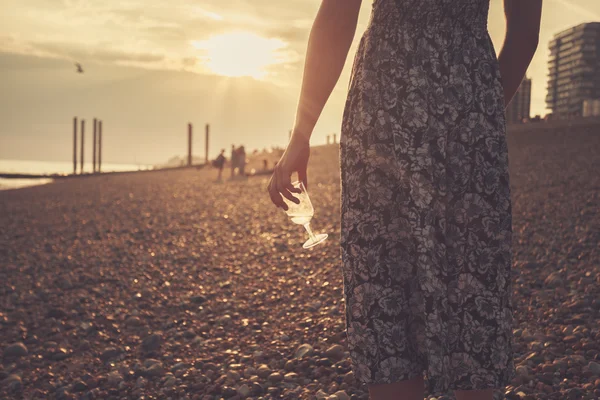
(94, 146)
(206, 144)
(99, 146)
(334, 138)
(189, 145)
(74, 145)
(327, 139)
(82, 146)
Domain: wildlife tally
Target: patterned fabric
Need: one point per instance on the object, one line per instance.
(426, 208)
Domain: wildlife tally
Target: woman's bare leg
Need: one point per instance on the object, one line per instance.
(412, 389)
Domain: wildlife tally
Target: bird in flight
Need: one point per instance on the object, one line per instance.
(79, 68)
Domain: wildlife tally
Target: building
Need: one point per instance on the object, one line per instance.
(574, 69)
(519, 108)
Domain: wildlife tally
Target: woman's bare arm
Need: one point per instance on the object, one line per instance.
(328, 44)
(522, 34)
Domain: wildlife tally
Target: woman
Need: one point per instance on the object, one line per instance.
(426, 210)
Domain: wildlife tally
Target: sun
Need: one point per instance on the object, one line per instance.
(237, 54)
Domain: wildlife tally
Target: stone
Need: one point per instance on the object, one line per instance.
(60, 354)
(80, 386)
(197, 299)
(321, 395)
(244, 391)
(263, 371)
(141, 382)
(341, 395)
(152, 342)
(228, 392)
(303, 350)
(15, 386)
(335, 352)
(290, 377)
(114, 378)
(289, 365)
(56, 313)
(594, 367)
(349, 378)
(233, 375)
(109, 354)
(170, 380)
(574, 394)
(256, 389)
(10, 380)
(16, 350)
(134, 321)
(554, 280)
(275, 377)
(155, 370)
(180, 365)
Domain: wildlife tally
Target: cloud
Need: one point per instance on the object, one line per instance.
(151, 33)
(82, 53)
(580, 10)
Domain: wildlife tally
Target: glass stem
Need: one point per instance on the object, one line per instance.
(310, 232)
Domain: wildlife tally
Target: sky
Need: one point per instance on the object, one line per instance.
(151, 67)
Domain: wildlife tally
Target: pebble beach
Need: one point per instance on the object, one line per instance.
(170, 285)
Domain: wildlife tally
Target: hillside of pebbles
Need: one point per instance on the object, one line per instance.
(169, 285)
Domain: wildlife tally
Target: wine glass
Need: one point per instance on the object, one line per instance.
(302, 213)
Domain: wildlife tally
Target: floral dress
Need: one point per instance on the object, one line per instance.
(426, 208)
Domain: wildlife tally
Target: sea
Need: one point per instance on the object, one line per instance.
(49, 168)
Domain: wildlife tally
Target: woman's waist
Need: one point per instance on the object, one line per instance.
(418, 19)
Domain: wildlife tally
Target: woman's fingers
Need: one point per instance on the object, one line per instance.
(274, 193)
(292, 189)
(284, 186)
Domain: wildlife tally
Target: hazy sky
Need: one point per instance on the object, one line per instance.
(153, 66)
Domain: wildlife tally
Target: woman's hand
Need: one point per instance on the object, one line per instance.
(294, 159)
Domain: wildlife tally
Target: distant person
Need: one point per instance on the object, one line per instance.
(241, 160)
(220, 163)
(234, 160)
(426, 234)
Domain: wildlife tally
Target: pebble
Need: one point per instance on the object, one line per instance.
(263, 371)
(275, 377)
(134, 321)
(228, 392)
(16, 350)
(335, 352)
(110, 353)
(341, 395)
(141, 382)
(80, 386)
(12, 382)
(244, 391)
(303, 350)
(290, 377)
(60, 354)
(114, 378)
(152, 342)
(594, 367)
(155, 370)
